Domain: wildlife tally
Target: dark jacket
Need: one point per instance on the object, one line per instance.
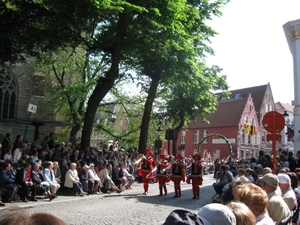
(6, 177)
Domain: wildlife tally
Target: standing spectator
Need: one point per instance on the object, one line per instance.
(6, 142)
(261, 158)
(51, 141)
(17, 154)
(49, 177)
(18, 142)
(268, 162)
(292, 161)
(7, 182)
(277, 208)
(45, 143)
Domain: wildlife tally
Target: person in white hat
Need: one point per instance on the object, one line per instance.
(287, 192)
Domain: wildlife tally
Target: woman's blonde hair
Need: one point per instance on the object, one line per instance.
(254, 197)
(243, 214)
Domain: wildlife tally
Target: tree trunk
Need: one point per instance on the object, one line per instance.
(73, 134)
(147, 114)
(103, 86)
(177, 130)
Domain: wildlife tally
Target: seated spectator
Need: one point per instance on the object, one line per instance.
(248, 174)
(93, 177)
(294, 185)
(277, 208)
(49, 177)
(24, 182)
(34, 157)
(57, 154)
(63, 169)
(243, 214)
(215, 213)
(57, 172)
(256, 199)
(287, 192)
(225, 178)
(107, 182)
(127, 177)
(228, 194)
(117, 174)
(72, 180)
(84, 179)
(266, 170)
(8, 155)
(7, 182)
(36, 144)
(41, 185)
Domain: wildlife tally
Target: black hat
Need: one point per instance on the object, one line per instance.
(182, 217)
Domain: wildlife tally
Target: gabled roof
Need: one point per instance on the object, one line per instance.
(228, 114)
(284, 106)
(257, 94)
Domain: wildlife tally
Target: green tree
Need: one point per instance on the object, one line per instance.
(175, 43)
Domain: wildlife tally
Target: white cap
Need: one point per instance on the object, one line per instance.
(283, 178)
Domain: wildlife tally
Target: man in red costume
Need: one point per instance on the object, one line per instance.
(196, 175)
(146, 169)
(161, 174)
(178, 174)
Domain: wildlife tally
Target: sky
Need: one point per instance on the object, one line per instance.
(251, 46)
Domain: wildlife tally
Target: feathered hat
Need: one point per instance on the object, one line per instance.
(163, 156)
(179, 156)
(197, 156)
(149, 151)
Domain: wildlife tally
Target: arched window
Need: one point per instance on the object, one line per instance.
(8, 95)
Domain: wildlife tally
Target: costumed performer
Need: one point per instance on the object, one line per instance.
(178, 174)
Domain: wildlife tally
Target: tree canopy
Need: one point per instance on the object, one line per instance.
(164, 42)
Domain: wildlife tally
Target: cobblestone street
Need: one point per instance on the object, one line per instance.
(129, 207)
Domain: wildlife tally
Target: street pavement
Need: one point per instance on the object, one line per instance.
(128, 207)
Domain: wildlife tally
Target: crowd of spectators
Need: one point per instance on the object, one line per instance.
(273, 197)
(44, 168)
